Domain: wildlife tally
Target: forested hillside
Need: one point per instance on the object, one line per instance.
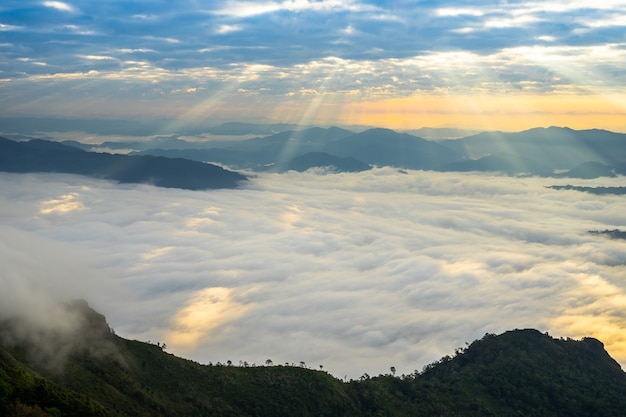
(520, 372)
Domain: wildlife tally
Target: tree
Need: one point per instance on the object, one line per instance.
(269, 362)
(393, 370)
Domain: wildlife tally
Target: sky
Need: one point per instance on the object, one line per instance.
(356, 272)
(507, 65)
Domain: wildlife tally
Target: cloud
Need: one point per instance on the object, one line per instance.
(357, 272)
(538, 69)
(66, 203)
(450, 11)
(383, 44)
(59, 5)
(207, 311)
(224, 29)
(6, 28)
(40, 279)
(243, 9)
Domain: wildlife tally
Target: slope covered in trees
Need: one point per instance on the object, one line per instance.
(521, 372)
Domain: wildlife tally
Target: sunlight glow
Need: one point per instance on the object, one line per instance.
(64, 204)
(206, 312)
(600, 317)
(499, 112)
(156, 253)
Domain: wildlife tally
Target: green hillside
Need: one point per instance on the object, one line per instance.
(518, 373)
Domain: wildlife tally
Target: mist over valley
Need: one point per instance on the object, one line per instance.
(357, 271)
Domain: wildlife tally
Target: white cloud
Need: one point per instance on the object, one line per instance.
(243, 9)
(455, 71)
(79, 30)
(225, 29)
(59, 5)
(161, 39)
(135, 50)
(546, 38)
(97, 57)
(64, 204)
(455, 11)
(7, 28)
(518, 21)
(615, 19)
(357, 272)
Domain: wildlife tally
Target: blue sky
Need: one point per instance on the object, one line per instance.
(314, 61)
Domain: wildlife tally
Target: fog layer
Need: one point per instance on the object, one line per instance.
(355, 272)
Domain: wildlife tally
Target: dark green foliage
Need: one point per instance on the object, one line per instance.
(529, 373)
(518, 373)
(29, 394)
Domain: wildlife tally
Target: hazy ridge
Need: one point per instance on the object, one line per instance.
(172, 161)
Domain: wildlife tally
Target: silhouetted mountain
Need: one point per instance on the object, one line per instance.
(588, 170)
(592, 190)
(294, 142)
(556, 147)
(163, 143)
(232, 158)
(139, 127)
(442, 133)
(241, 129)
(45, 156)
(613, 234)
(525, 372)
(384, 147)
(539, 151)
(259, 153)
(536, 151)
(321, 159)
(30, 125)
(521, 372)
(504, 162)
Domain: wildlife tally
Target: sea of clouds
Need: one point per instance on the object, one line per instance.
(355, 272)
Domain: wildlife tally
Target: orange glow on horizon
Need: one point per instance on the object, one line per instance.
(484, 112)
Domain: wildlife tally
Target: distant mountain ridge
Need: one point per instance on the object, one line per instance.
(45, 156)
(139, 127)
(555, 147)
(520, 372)
(549, 152)
(539, 151)
(379, 147)
(320, 160)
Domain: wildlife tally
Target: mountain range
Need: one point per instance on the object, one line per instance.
(550, 151)
(170, 161)
(45, 156)
(93, 372)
